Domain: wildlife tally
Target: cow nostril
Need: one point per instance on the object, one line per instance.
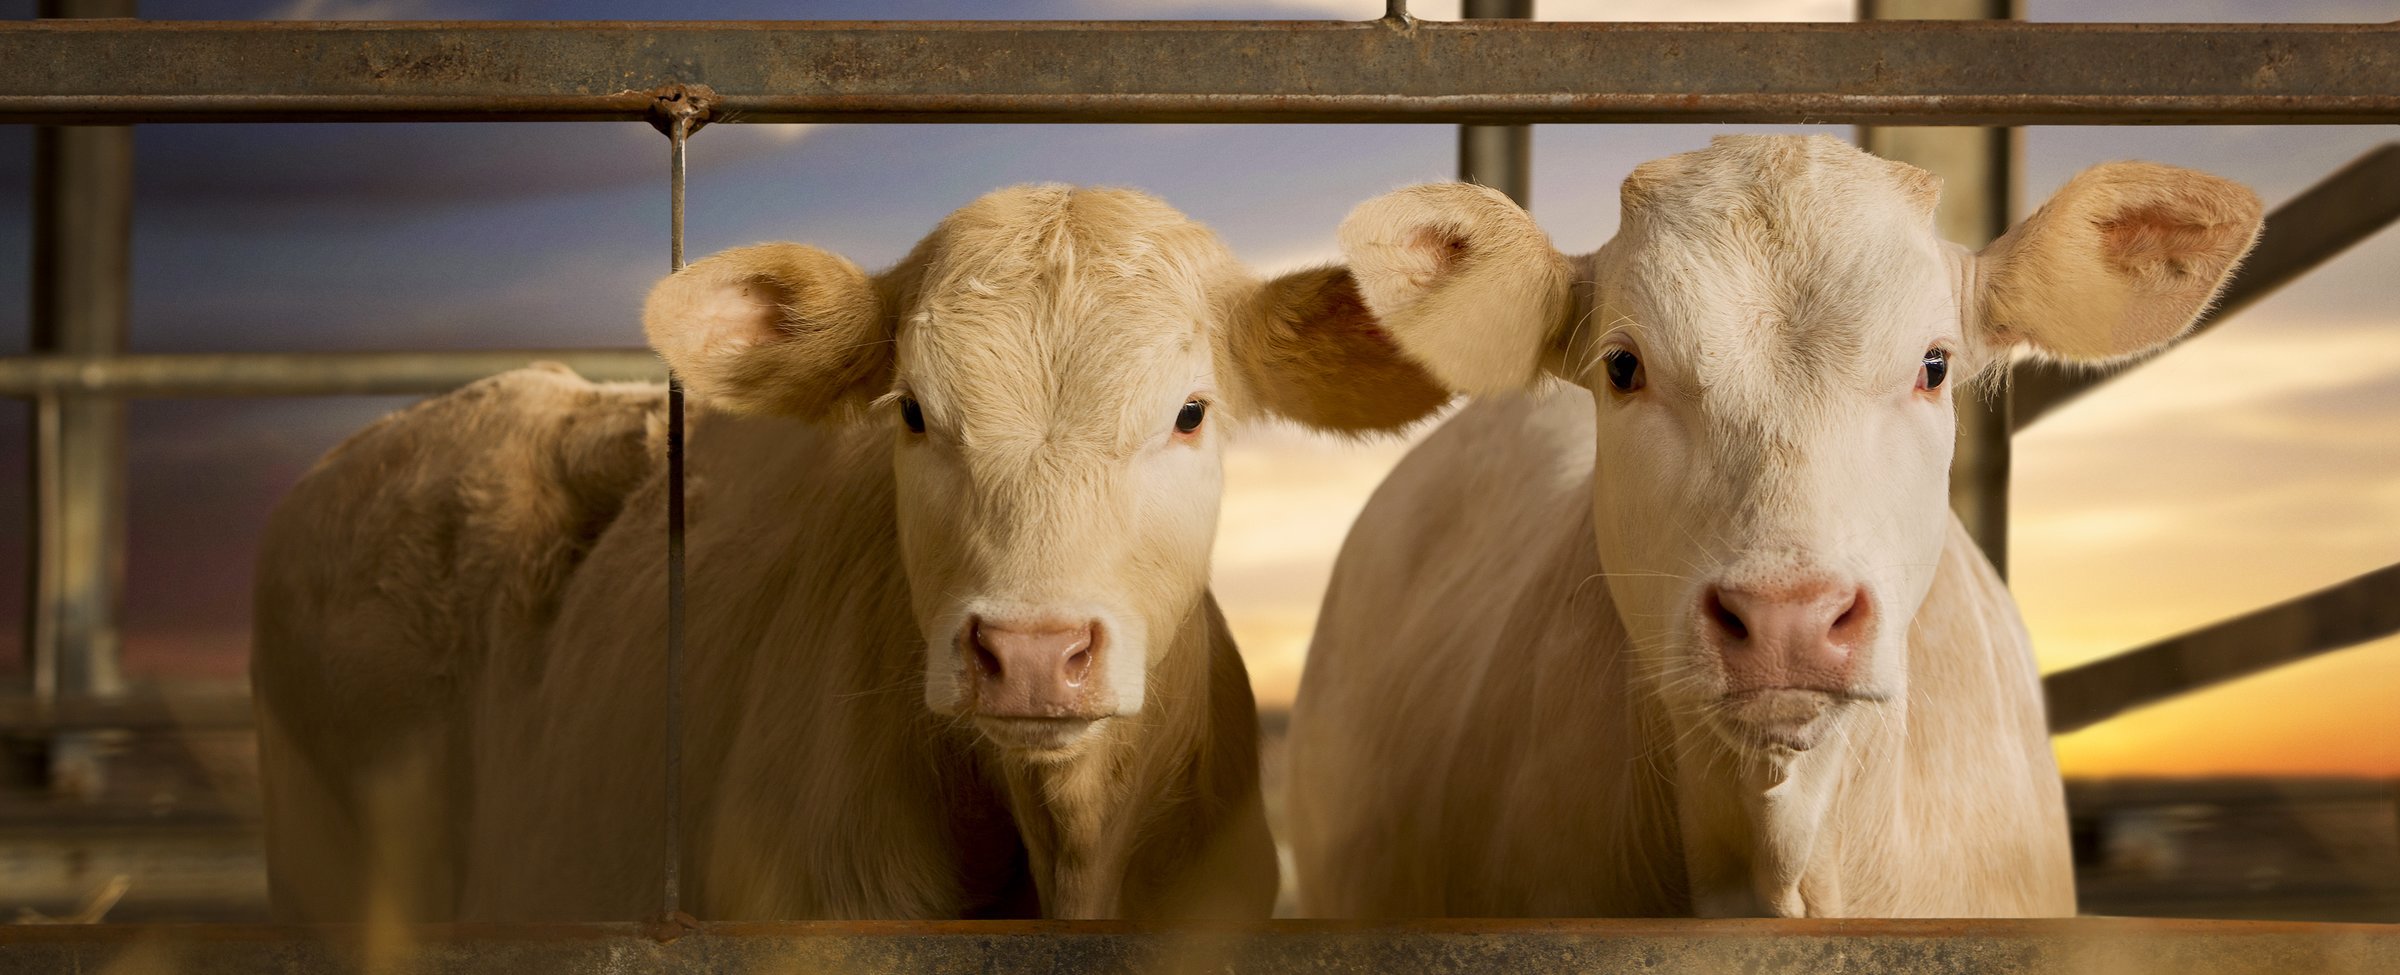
(1079, 666)
(1853, 619)
(985, 660)
(1724, 616)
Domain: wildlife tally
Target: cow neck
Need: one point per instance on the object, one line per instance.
(1080, 818)
(1765, 837)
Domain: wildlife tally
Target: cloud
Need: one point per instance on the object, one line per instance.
(787, 134)
(2255, 463)
(357, 10)
(1290, 497)
(219, 173)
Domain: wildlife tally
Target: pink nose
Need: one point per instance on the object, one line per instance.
(1042, 670)
(1798, 636)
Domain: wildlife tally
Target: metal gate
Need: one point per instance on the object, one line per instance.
(78, 78)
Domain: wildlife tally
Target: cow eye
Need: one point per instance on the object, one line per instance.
(912, 414)
(1937, 365)
(1188, 419)
(1624, 370)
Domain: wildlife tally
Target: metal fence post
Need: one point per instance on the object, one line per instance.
(679, 112)
(82, 266)
(1498, 156)
(1978, 169)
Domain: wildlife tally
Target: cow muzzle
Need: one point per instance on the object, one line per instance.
(1037, 670)
(1787, 652)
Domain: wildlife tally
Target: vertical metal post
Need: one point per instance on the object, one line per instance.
(1978, 169)
(679, 112)
(673, 895)
(82, 296)
(1498, 156)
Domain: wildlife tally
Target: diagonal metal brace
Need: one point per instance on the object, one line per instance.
(2337, 617)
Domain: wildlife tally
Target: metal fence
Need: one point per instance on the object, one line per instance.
(79, 78)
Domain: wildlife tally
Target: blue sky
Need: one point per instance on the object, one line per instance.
(2269, 444)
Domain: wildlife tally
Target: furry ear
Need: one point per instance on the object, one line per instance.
(2122, 260)
(1463, 281)
(773, 328)
(1305, 348)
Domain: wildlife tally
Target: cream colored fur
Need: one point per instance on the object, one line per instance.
(462, 609)
(1429, 257)
(1506, 710)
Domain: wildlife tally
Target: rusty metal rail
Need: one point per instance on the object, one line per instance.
(2345, 615)
(303, 373)
(1890, 947)
(1391, 70)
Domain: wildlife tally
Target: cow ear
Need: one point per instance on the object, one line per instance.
(1463, 280)
(2122, 260)
(1305, 348)
(773, 328)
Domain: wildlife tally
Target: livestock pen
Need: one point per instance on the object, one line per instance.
(1942, 94)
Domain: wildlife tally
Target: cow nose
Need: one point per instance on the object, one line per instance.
(1797, 636)
(1038, 670)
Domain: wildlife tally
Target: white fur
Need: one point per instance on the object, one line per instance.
(1508, 708)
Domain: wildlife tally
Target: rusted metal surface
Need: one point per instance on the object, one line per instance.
(2341, 210)
(1389, 70)
(2354, 612)
(2081, 946)
(303, 373)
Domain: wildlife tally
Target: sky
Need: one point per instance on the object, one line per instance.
(2253, 465)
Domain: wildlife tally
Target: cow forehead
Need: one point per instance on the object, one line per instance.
(1780, 267)
(1048, 317)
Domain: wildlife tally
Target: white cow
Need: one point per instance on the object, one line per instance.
(951, 647)
(1702, 635)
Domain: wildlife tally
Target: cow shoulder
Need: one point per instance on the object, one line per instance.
(1450, 563)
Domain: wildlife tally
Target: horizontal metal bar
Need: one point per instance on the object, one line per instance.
(2354, 612)
(2337, 213)
(128, 870)
(304, 373)
(142, 710)
(1390, 70)
(1895, 947)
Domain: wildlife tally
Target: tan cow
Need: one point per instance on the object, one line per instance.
(952, 651)
(1702, 636)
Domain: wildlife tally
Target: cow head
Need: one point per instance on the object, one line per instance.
(1057, 368)
(1773, 343)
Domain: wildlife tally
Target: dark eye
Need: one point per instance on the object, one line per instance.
(1624, 370)
(912, 414)
(1188, 419)
(1937, 365)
